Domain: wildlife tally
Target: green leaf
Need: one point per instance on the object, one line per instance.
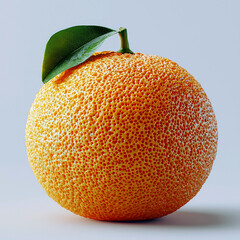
(70, 47)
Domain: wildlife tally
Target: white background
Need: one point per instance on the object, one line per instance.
(202, 36)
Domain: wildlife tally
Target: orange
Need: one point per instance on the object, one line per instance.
(122, 137)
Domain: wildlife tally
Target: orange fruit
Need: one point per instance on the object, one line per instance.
(122, 137)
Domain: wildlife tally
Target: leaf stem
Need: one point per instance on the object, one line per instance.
(124, 41)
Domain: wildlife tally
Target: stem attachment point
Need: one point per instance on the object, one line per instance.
(124, 41)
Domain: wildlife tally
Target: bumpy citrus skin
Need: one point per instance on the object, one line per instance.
(122, 137)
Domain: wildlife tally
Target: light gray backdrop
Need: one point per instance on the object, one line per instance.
(202, 36)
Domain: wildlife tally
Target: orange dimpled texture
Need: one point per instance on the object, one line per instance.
(122, 137)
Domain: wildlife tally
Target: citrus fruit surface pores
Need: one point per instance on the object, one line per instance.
(122, 137)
